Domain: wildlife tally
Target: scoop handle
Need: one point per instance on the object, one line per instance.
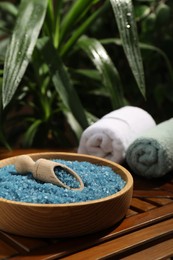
(43, 170)
(24, 164)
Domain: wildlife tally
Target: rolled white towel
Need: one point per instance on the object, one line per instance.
(110, 136)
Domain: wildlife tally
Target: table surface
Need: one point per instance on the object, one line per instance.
(145, 233)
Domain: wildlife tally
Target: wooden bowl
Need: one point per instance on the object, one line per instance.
(66, 220)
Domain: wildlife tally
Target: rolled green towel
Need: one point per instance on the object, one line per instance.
(151, 154)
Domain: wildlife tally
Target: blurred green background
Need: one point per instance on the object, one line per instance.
(41, 115)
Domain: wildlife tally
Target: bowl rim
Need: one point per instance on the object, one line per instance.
(127, 187)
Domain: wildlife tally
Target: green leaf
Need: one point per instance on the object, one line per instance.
(56, 36)
(82, 29)
(141, 11)
(28, 25)
(73, 124)
(2, 132)
(124, 14)
(76, 10)
(9, 7)
(31, 132)
(160, 52)
(106, 68)
(148, 47)
(3, 140)
(92, 74)
(62, 82)
(3, 46)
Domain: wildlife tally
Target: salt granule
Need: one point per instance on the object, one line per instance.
(99, 182)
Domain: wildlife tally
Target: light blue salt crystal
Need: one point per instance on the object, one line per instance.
(99, 182)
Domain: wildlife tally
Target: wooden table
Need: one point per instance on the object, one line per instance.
(145, 233)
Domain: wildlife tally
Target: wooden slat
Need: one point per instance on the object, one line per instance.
(141, 206)
(153, 193)
(120, 245)
(22, 244)
(162, 250)
(131, 213)
(127, 226)
(5, 153)
(6, 251)
(159, 201)
(168, 186)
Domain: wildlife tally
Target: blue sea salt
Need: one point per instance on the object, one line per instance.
(66, 178)
(99, 182)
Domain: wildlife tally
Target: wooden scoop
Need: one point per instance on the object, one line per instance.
(43, 170)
